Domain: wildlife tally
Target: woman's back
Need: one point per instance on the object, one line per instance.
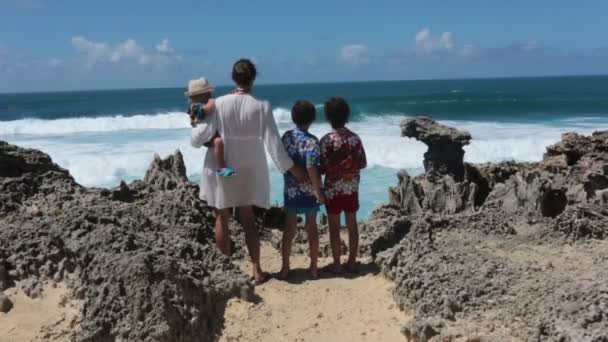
(247, 126)
(241, 116)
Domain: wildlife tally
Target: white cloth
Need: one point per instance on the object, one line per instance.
(246, 125)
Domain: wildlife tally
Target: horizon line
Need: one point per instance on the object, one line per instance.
(307, 83)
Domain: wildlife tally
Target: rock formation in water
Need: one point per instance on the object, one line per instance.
(445, 154)
(141, 256)
(498, 251)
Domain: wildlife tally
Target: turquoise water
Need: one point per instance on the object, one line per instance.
(103, 137)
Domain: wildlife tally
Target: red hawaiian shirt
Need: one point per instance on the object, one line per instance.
(342, 158)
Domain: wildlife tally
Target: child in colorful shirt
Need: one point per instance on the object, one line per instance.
(302, 198)
(342, 158)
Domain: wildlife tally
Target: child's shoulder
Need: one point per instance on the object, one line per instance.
(288, 133)
(313, 137)
(353, 134)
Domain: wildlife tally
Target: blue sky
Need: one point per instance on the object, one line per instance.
(57, 45)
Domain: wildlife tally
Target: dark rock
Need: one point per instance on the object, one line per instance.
(32, 288)
(386, 227)
(418, 331)
(141, 257)
(5, 303)
(4, 279)
(445, 154)
(583, 222)
(509, 251)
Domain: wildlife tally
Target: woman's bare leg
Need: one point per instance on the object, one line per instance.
(218, 152)
(291, 221)
(353, 239)
(252, 239)
(334, 240)
(222, 232)
(313, 241)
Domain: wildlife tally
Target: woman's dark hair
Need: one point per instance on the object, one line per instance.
(337, 111)
(244, 72)
(303, 113)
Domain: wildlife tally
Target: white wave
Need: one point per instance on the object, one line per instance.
(126, 147)
(172, 120)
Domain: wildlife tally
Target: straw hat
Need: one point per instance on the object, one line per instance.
(199, 86)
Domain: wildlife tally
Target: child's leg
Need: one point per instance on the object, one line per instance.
(218, 152)
(334, 239)
(291, 221)
(313, 241)
(353, 239)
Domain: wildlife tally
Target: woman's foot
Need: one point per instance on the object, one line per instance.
(284, 273)
(314, 273)
(332, 269)
(351, 267)
(226, 172)
(261, 278)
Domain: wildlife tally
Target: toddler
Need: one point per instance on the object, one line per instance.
(201, 105)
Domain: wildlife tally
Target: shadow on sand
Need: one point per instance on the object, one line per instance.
(301, 275)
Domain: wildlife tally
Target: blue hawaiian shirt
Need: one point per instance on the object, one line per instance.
(303, 149)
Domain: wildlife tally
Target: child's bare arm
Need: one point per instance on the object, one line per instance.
(315, 178)
(209, 107)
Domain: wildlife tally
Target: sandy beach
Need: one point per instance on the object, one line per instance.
(352, 308)
(50, 317)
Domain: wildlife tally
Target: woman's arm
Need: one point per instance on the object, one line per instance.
(275, 147)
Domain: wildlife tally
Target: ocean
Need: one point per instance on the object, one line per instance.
(107, 136)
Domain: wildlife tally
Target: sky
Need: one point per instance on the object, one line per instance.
(56, 45)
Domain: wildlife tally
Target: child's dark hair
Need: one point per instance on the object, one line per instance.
(303, 113)
(337, 112)
(244, 72)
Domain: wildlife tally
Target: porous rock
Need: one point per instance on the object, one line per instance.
(510, 251)
(141, 257)
(445, 145)
(5, 303)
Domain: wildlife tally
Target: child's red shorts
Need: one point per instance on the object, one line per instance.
(347, 203)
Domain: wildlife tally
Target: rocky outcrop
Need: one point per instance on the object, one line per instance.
(445, 154)
(141, 257)
(448, 186)
(498, 251)
(573, 171)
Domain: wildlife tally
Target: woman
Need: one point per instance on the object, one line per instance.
(247, 125)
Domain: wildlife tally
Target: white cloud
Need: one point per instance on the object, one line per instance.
(165, 47)
(354, 54)
(127, 51)
(55, 62)
(426, 42)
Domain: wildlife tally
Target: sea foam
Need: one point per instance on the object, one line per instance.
(102, 151)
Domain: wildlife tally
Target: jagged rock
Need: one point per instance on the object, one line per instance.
(168, 173)
(141, 257)
(5, 303)
(386, 227)
(530, 192)
(32, 288)
(590, 221)
(442, 195)
(422, 331)
(445, 154)
(510, 251)
(406, 195)
(4, 280)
